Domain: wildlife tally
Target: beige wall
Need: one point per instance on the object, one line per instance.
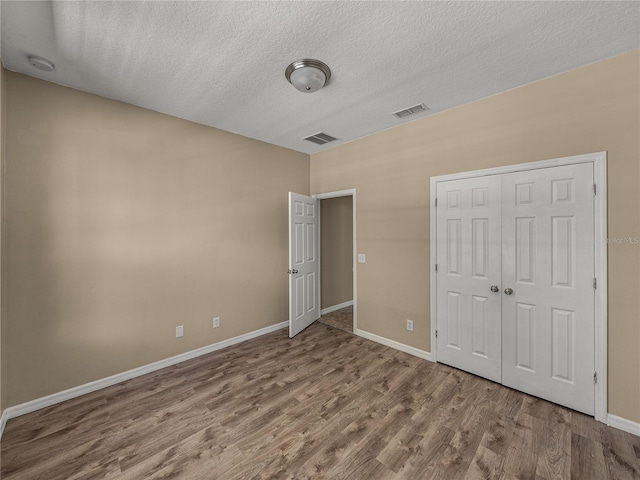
(590, 109)
(336, 250)
(122, 223)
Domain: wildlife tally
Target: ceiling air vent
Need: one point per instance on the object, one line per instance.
(411, 110)
(320, 138)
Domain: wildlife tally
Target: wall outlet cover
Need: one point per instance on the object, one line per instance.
(362, 258)
(216, 322)
(410, 325)
(179, 331)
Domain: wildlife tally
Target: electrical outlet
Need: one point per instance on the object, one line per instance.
(410, 325)
(362, 258)
(179, 331)
(216, 322)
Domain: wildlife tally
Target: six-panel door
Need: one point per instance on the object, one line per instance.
(468, 236)
(548, 262)
(530, 234)
(304, 266)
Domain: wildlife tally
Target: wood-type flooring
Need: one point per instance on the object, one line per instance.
(342, 319)
(324, 405)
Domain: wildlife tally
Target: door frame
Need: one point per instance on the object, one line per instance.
(599, 161)
(344, 193)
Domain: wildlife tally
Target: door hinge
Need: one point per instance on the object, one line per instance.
(436, 333)
(594, 189)
(595, 282)
(595, 377)
(436, 267)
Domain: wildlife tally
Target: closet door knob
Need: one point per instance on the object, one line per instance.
(495, 288)
(508, 291)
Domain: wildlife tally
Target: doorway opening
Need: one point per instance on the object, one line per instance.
(337, 259)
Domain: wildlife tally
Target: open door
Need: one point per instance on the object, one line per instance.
(304, 262)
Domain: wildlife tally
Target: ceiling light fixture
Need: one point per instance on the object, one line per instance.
(41, 63)
(308, 75)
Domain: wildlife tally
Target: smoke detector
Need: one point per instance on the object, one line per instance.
(41, 63)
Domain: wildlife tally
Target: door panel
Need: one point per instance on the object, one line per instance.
(548, 262)
(468, 313)
(525, 336)
(479, 326)
(304, 244)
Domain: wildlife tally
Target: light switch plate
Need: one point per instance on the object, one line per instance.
(179, 331)
(362, 258)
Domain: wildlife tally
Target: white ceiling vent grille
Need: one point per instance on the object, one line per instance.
(411, 110)
(320, 138)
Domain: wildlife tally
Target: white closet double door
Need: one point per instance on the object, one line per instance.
(515, 297)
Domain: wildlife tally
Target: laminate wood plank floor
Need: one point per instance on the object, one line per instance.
(342, 319)
(325, 404)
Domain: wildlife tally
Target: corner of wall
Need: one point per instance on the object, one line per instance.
(2, 155)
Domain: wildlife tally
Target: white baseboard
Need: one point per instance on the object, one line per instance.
(80, 390)
(614, 421)
(3, 421)
(333, 308)
(623, 424)
(397, 345)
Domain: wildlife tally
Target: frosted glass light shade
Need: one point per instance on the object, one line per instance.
(308, 79)
(308, 75)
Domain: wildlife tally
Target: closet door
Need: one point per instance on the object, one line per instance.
(547, 284)
(468, 258)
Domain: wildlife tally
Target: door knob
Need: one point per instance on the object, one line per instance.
(508, 291)
(495, 288)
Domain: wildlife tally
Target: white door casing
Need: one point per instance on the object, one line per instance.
(573, 337)
(548, 262)
(304, 262)
(468, 246)
(346, 193)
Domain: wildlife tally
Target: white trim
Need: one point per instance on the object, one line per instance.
(433, 255)
(80, 390)
(601, 297)
(623, 424)
(3, 422)
(599, 161)
(289, 256)
(336, 194)
(397, 345)
(521, 167)
(348, 193)
(333, 308)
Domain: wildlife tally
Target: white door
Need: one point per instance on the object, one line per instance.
(531, 234)
(304, 262)
(548, 265)
(468, 258)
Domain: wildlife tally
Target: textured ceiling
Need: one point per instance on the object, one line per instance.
(222, 63)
